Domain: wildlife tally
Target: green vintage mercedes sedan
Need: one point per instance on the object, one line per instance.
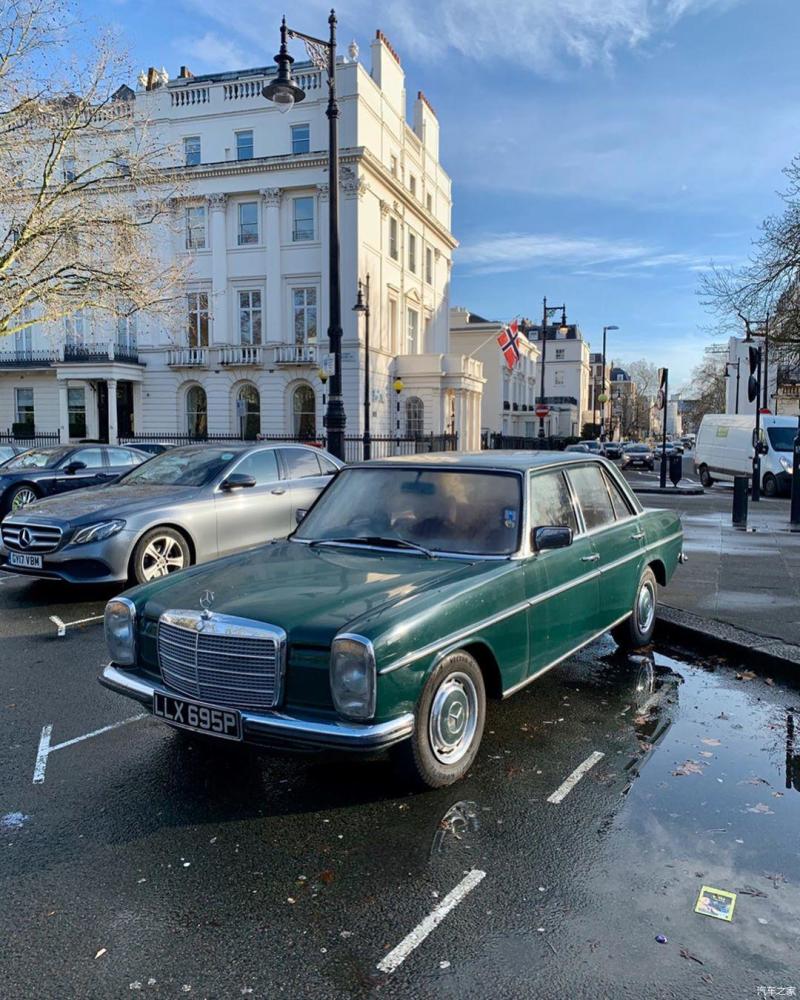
(413, 590)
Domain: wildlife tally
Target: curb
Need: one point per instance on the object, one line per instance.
(672, 491)
(708, 633)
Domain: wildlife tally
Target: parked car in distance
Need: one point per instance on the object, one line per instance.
(185, 506)
(154, 447)
(638, 456)
(581, 447)
(412, 590)
(613, 449)
(58, 469)
(594, 446)
(8, 451)
(724, 449)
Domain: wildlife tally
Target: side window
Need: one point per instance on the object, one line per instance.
(300, 463)
(590, 488)
(619, 501)
(261, 465)
(551, 503)
(328, 468)
(92, 458)
(121, 456)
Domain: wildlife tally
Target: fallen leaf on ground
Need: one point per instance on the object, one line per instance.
(748, 890)
(707, 978)
(688, 767)
(770, 681)
(722, 715)
(101, 952)
(706, 753)
(762, 809)
(746, 675)
(685, 953)
(777, 795)
(712, 743)
(327, 876)
(754, 781)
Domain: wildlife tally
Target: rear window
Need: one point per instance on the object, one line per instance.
(590, 488)
(300, 463)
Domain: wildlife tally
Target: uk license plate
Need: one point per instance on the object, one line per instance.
(24, 559)
(226, 723)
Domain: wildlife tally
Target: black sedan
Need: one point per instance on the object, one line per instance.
(45, 472)
(613, 449)
(638, 456)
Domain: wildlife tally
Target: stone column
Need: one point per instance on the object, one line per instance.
(113, 434)
(219, 269)
(63, 411)
(273, 309)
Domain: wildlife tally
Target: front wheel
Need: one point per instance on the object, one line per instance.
(705, 477)
(448, 724)
(770, 486)
(637, 630)
(21, 497)
(159, 552)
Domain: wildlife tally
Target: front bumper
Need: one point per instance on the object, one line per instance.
(279, 729)
(106, 561)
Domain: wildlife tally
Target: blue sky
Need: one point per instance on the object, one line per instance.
(602, 151)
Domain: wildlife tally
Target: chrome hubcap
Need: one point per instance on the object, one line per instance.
(453, 718)
(162, 556)
(646, 606)
(22, 499)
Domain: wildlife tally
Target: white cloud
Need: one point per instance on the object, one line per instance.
(211, 53)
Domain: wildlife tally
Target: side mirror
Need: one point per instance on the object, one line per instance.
(74, 467)
(300, 513)
(551, 537)
(237, 481)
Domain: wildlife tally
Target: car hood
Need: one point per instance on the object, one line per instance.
(112, 501)
(310, 592)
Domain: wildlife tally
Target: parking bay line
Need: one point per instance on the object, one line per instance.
(398, 955)
(564, 789)
(45, 749)
(63, 626)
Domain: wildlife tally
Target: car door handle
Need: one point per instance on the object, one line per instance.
(278, 492)
(638, 536)
(592, 558)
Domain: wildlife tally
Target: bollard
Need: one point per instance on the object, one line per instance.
(740, 502)
(675, 469)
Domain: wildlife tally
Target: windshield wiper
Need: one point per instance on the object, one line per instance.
(397, 543)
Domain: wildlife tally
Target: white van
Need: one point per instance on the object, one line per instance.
(724, 449)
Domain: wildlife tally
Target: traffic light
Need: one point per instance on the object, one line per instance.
(753, 385)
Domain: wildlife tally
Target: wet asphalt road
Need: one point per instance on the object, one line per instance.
(224, 874)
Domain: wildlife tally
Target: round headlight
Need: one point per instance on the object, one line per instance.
(353, 679)
(120, 629)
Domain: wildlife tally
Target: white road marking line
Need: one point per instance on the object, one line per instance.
(398, 955)
(41, 756)
(45, 749)
(63, 626)
(563, 790)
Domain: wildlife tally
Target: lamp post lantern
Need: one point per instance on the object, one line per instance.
(362, 306)
(285, 93)
(547, 312)
(604, 395)
(398, 385)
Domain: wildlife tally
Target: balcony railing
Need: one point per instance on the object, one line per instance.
(187, 357)
(70, 354)
(28, 359)
(243, 355)
(295, 354)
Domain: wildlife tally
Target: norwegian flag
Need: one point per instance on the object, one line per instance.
(508, 343)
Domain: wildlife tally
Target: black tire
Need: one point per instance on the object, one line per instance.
(159, 552)
(770, 486)
(637, 630)
(452, 702)
(15, 496)
(705, 477)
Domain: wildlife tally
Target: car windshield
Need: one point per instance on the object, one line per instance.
(637, 447)
(782, 438)
(180, 468)
(452, 510)
(36, 459)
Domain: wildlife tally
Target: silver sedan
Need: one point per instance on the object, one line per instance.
(182, 507)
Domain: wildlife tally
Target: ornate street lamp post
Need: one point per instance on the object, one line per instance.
(547, 312)
(604, 394)
(362, 306)
(284, 92)
(398, 385)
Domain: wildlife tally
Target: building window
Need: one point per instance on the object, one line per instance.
(248, 411)
(393, 166)
(244, 145)
(250, 317)
(75, 329)
(412, 332)
(429, 202)
(197, 411)
(23, 340)
(559, 378)
(394, 346)
(559, 354)
(429, 265)
(23, 400)
(191, 150)
(302, 219)
(196, 227)
(126, 330)
(197, 308)
(412, 184)
(304, 412)
(412, 253)
(304, 307)
(301, 138)
(76, 407)
(69, 170)
(415, 417)
(248, 223)
(393, 251)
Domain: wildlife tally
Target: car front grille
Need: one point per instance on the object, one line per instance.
(31, 537)
(222, 660)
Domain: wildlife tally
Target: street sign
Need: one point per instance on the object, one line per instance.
(328, 362)
(541, 410)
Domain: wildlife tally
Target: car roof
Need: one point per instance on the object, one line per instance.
(514, 461)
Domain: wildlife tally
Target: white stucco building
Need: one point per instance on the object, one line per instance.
(246, 354)
(567, 377)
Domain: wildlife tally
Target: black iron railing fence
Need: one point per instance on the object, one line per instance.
(29, 438)
(503, 442)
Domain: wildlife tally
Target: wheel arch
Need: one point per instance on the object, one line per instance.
(659, 571)
(174, 526)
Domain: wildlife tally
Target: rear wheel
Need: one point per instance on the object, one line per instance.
(159, 552)
(770, 486)
(637, 630)
(448, 724)
(21, 496)
(705, 477)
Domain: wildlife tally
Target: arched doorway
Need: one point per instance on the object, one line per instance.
(415, 417)
(248, 411)
(304, 412)
(197, 411)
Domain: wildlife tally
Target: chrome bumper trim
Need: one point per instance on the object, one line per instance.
(291, 729)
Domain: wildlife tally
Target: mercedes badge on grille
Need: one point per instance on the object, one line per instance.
(206, 601)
